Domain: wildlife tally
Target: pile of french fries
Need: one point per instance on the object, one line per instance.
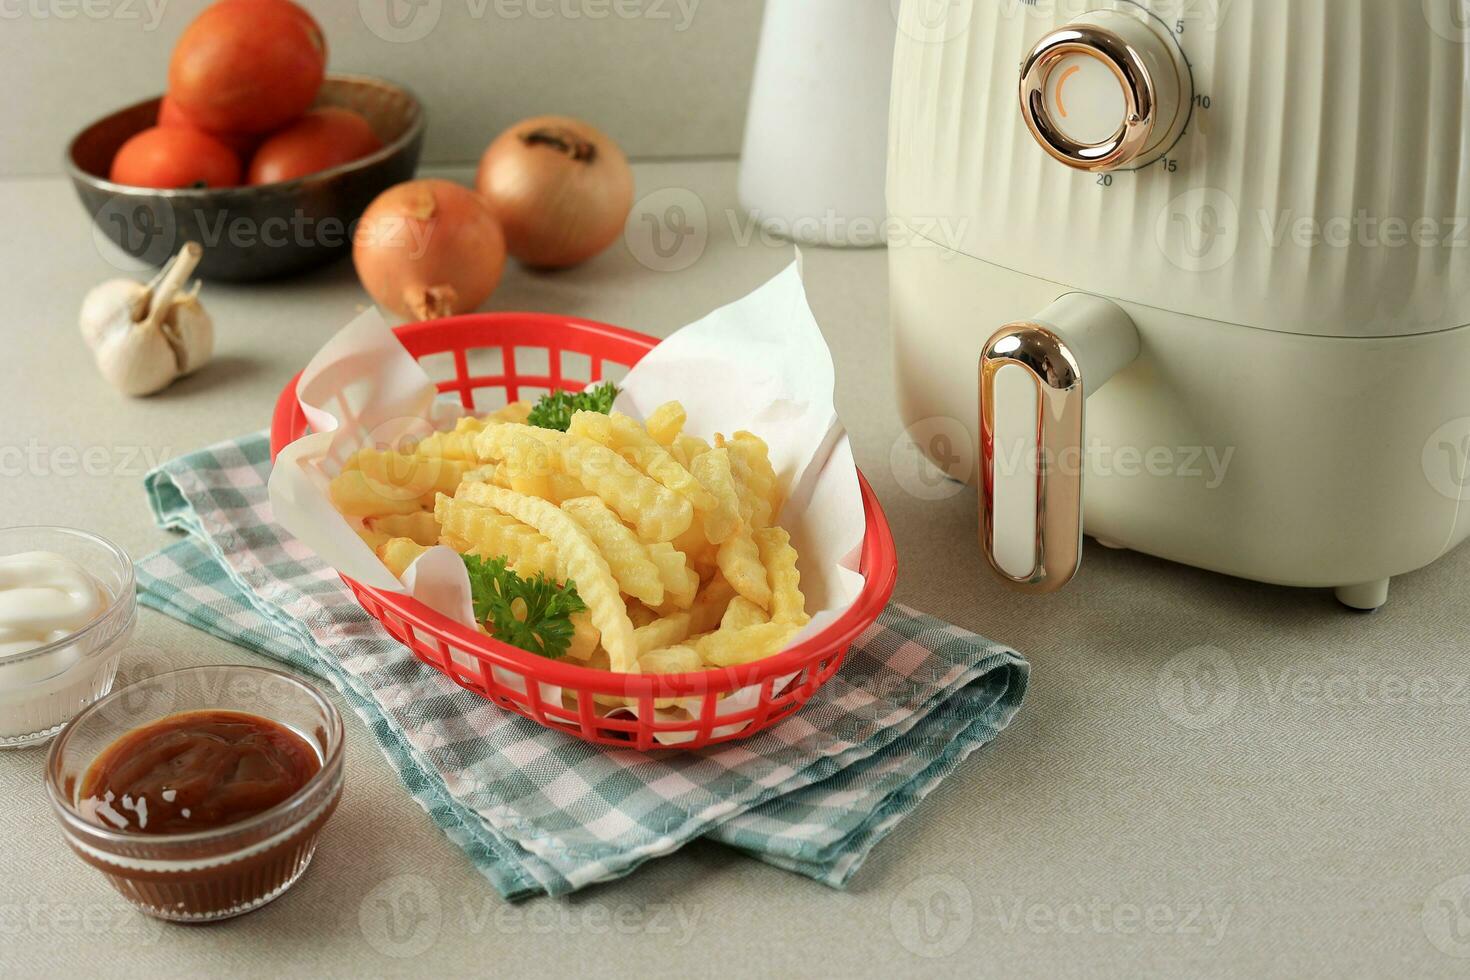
(672, 543)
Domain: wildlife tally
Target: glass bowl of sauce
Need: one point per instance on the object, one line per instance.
(68, 603)
(199, 793)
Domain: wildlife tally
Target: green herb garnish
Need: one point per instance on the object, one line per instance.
(546, 626)
(555, 410)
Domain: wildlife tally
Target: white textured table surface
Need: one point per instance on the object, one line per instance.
(1314, 825)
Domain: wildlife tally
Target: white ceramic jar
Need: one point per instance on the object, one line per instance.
(816, 137)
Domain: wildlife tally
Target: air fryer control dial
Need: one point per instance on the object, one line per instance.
(1110, 91)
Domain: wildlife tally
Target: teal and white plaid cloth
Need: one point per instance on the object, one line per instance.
(541, 812)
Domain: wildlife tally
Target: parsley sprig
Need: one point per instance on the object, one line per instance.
(546, 626)
(555, 410)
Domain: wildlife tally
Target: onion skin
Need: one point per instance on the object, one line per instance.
(561, 188)
(429, 248)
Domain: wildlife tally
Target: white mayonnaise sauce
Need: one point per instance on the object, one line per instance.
(44, 597)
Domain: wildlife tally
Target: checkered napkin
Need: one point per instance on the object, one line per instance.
(541, 812)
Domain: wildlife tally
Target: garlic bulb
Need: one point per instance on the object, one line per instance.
(145, 336)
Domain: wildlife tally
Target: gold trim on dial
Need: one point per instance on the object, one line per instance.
(1131, 139)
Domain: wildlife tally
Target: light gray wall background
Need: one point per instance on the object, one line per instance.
(667, 78)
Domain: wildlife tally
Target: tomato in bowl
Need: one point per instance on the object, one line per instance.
(250, 233)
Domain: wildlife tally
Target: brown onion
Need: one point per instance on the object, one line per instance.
(429, 248)
(561, 188)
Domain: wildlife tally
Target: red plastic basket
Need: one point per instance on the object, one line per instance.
(511, 677)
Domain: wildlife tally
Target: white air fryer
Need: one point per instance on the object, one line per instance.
(1196, 275)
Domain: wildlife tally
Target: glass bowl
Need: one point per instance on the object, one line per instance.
(41, 689)
(222, 871)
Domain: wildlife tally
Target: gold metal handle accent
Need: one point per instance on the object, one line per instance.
(1139, 93)
(1057, 459)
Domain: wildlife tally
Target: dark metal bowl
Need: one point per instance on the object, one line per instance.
(250, 232)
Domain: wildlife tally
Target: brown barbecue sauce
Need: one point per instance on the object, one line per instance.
(196, 771)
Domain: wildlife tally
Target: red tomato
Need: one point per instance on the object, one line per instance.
(175, 157)
(307, 20)
(171, 116)
(319, 140)
(247, 66)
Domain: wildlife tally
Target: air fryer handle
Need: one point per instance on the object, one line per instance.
(1035, 376)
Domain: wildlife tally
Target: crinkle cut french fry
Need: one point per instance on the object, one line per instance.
(712, 470)
(564, 488)
(354, 495)
(656, 512)
(693, 542)
(710, 605)
(640, 615)
(662, 632)
(457, 445)
(740, 562)
(420, 526)
(750, 461)
(754, 509)
(689, 447)
(373, 539)
(494, 441)
(596, 426)
(584, 636)
(420, 475)
(449, 445)
(670, 660)
(742, 613)
(514, 412)
(578, 561)
(399, 553)
(738, 557)
(639, 448)
(628, 557)
(484, 473)
(665, 423)
(526, 468)
(492, 533)
(728, 648)
(526, 570)
(788, 605)
(680, 582)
